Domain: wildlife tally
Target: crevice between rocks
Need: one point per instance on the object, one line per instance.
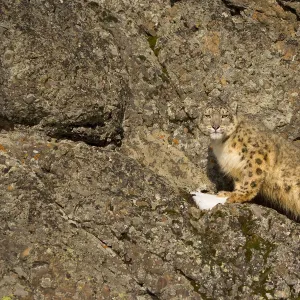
(152, 295)
(288, 8)
(104, 245)
(98, 130)
(114, 253)
(90, 139)
(164, 75)
(6, 124)
(172, 2)
(194, 283)
(147, 291)
(233, 8)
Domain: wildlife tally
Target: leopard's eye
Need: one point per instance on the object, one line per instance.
(224, 116)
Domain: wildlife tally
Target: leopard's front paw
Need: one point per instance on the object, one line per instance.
(224, 194)
(233, 199)
(237, 198)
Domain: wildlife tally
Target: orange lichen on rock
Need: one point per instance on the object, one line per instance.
(37, 156)
(175, 141)
(10, 188)
(2, 148)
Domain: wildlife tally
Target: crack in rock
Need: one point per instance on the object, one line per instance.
(286, 7)
(234, 8)
(194, 283)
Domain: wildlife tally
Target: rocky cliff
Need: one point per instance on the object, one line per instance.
(100, 145)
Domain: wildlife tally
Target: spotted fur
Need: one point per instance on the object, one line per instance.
(257, 160)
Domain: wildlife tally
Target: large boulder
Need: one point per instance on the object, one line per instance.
(83, 223)
(61, 68)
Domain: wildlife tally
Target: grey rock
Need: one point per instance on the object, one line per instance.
(100, 147)
(63, 71)
(96, 224)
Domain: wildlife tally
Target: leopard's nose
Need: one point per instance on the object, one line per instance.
(215, 127)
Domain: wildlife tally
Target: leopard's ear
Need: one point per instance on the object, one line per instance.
(234, 107)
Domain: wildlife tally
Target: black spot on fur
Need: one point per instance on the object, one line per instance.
(258, 171)
(253, 184)
(250, 174)
(258, 161)
(287, 188)
(233, 145)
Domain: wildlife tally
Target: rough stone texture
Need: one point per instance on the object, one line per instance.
(83, 223)
(61, 68)
(100, 143)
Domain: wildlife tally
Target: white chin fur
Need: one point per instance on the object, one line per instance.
(216, 135)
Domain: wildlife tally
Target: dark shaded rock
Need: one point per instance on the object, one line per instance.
(63, 71)
(292, 6)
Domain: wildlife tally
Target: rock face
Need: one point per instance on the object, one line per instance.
(100, 146)
(62, 69)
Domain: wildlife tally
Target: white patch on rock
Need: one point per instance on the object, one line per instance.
(207, 201)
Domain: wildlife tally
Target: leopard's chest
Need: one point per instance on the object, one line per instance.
(229, 159)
